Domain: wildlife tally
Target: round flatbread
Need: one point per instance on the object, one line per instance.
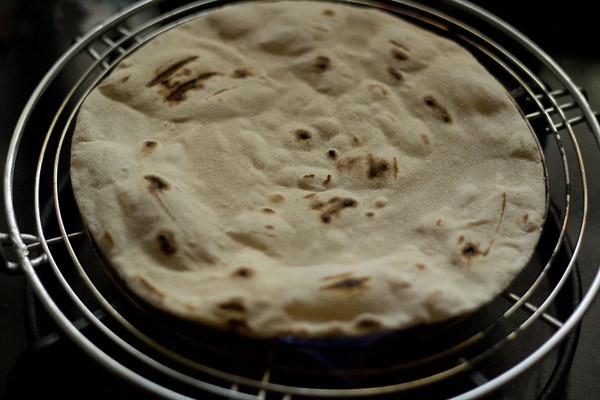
(308, 169)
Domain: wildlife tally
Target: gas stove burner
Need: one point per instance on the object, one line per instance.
(466, 358)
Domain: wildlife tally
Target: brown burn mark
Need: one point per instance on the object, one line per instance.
(276, 198)
(271, 227)
(166, 242)
(309, 176)
(156, 183)
(439, 111)
(243, 272)
(348, 284)
(425, 139)
(108, 239)
(394, 73)
(331, 153)
(370, 214)
(302, 135)
(398, 54)
(164, 76)
(149, 146)
(420, 266)
(241, 74)
(376, 168)
(321, 63)
(399, 285)
(332, 207)
(178, 94)
(125, 79)
(523, 154)
(439, 222)
(328, 13)
(348, 203)
(267, 210)
(368, 324)
(398, 44)
(316, 204)
(347, 163)
(206, 75)
(327, 180)
(233, 305)
(471, 249)
(219, 92)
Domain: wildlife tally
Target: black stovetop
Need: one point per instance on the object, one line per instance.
(33, 34)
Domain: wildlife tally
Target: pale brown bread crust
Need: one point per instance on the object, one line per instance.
(309, 169)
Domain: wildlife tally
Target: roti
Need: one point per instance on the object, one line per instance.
(308, 169)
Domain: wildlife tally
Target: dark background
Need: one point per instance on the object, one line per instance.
(33, 34)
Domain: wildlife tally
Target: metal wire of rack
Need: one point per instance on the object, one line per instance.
(175, 360)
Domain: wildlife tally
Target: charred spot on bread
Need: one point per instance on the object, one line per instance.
(348, 284)
(241, 74)
(321, 63)
(470, 250)
(234, 305)
(332, 207)
(394, 73)
(439, 111)
(398, 54)
(368, 324)
(377, 168)
(163, 76)
(243, 272)
(276, 198)
(302, 135)
(166, 242)
(149, 146)
(156, 183)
